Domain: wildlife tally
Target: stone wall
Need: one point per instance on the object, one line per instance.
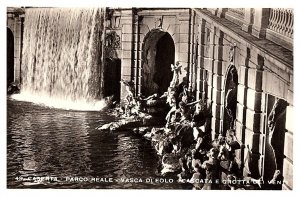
(207, 43)
(264, 69)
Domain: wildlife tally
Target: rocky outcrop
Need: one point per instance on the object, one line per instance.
(13, 88)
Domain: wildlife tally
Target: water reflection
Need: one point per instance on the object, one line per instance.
(45, 142)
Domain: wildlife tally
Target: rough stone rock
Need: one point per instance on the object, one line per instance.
(143, 130)
(170, 163)
(13, 88)
(105, 126)
(148, 135)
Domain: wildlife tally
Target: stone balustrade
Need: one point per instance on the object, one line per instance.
(281, 27)
(282, 21)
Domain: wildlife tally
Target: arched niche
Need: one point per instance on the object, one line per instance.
(10, 56)
(230, 102)
(157, 57)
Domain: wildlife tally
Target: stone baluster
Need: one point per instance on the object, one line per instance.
(290, 23)
(282, 21)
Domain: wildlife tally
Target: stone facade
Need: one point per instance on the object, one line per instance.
(210, 42)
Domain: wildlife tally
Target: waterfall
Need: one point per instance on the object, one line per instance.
(62, 57)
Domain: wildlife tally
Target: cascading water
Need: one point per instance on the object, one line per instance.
(62, 58)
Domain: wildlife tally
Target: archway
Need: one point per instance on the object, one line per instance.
(158, 55)
(10, 56)
(230, 99)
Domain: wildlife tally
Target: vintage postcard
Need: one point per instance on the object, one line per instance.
(180, 98)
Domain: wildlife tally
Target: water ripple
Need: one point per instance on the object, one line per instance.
(45, 142)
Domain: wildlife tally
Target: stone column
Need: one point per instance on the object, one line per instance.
(254, 127)
(244, 56)
(192, 53)
(135, 25)
(127, 48)
(217, 69)
(17, 49)
(184, 44)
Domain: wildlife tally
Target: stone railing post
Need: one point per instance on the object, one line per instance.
(260, 23)
(248, 20)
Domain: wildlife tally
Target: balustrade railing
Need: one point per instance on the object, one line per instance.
(282, 21)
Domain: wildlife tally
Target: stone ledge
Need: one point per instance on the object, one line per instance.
(279, 39)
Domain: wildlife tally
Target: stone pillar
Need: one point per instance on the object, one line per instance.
(127, 48)
(260, 23)
(17, 49)
(199, 75)
(184, 44)
(135, 57)
(203, 62)
(244, 56)
(219, 63)
(192, 53)
(254, 124)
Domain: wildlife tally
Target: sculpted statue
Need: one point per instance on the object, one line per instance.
(176, 71)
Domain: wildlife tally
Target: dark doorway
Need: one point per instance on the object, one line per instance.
(158, 55)
(112, 77)
(10, 56)
(164, 58)
(230, 100)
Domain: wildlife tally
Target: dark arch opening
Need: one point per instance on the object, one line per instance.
(230, 99)
(158, 55)
(112, 78)
(10, 56)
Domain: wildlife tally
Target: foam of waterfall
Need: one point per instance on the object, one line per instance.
(61, 57)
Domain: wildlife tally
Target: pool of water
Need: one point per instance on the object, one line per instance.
(53, 148)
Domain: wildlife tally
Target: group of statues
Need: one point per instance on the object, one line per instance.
(184, 142)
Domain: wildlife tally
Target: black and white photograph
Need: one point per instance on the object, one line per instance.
(163, 98)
